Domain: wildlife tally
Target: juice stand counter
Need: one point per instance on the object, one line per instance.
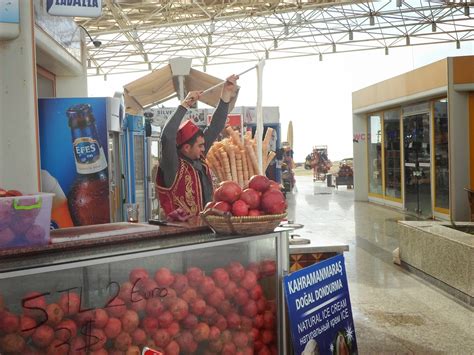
(117, 288)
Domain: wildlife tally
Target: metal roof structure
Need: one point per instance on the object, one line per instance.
(142, 35)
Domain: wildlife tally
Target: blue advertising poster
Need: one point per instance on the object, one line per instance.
(320, 309)
(73, 147)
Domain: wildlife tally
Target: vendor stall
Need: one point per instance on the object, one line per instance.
(112, 286)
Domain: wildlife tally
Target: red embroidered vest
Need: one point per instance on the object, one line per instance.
(185, 192)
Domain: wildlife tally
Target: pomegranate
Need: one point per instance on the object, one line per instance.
(221, 277)
(201, 332)
(172, 348)
(223, 206)
(65, 330)
(138, 274)
(113, 328)
(12, 344)
(251, 197)
(228, 191)
(164, 277)
(195, 276)
(123, 341)
(161, 338)
(255, 213)
(9, 323)
(273, 202)
(236, 270)
(55, 314)
(240, 208)
(43, 336)
(28, 326)
(259, 183)
(139, 336)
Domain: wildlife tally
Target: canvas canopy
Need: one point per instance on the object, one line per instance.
(160, 85)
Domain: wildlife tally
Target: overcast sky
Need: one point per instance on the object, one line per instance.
(315, 95)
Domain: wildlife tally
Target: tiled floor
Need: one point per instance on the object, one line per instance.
(395, 311)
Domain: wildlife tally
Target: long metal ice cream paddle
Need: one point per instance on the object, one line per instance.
(223, 82)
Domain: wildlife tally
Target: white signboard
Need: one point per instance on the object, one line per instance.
(160, 115)
(73, 8)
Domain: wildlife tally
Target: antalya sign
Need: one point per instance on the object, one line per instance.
(73, 8)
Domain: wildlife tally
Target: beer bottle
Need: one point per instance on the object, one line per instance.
(88, 197)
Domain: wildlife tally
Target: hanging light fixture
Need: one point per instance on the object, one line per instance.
(320, 57)
(399, 3)
(466, 11)
(209, 39)
(298, 18)
(208, 50)
(97, 71)
(458, 44)
(105, 77)
(351, 35)
(149, 66)
(386, 50)
(89, 63)
(407, 39)
(371, 19)
(286, 30)
(212, 27)
(267, 54)
(275, 43)
(334, 47)
(433, 27)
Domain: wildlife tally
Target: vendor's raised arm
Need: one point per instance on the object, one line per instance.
(220, 114)
(229, 89)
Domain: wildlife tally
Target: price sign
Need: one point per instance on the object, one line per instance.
(320, 309)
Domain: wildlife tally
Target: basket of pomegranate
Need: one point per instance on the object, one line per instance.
(257, 209)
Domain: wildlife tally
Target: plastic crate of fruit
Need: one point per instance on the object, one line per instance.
(25, 220)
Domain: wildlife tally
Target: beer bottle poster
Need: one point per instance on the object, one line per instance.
(73, 148)
(320, 309)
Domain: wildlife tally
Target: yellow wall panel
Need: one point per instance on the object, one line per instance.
(463, 70)
(420, 80)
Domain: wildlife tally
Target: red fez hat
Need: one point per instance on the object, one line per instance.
(185, 132)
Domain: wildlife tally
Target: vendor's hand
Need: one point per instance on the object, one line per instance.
(178, 215)
(229, 89)
(191, 99)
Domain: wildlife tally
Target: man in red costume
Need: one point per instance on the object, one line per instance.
(183, 180)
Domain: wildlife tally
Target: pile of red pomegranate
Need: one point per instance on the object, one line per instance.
(262, 197)
(19, 226)
(223, 312)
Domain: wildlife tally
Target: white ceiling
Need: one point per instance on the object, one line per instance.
(142, 35)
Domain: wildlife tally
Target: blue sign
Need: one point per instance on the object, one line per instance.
(9, 11)
(320, 309)
(73, 8)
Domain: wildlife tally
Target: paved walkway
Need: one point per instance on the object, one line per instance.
(395, 312)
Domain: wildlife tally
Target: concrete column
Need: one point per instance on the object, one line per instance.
(359, 130)
(458, 115)
(19, 148)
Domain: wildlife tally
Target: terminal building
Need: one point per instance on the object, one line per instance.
(413, 138)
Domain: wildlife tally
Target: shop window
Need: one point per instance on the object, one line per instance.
(441, 154)
(393, 173)
(375, 154)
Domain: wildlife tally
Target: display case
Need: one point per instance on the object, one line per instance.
(197, 293)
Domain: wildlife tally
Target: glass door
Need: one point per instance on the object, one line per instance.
(115, 177)
(416, 131)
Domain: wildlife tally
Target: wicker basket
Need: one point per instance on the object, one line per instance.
(247, 225)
